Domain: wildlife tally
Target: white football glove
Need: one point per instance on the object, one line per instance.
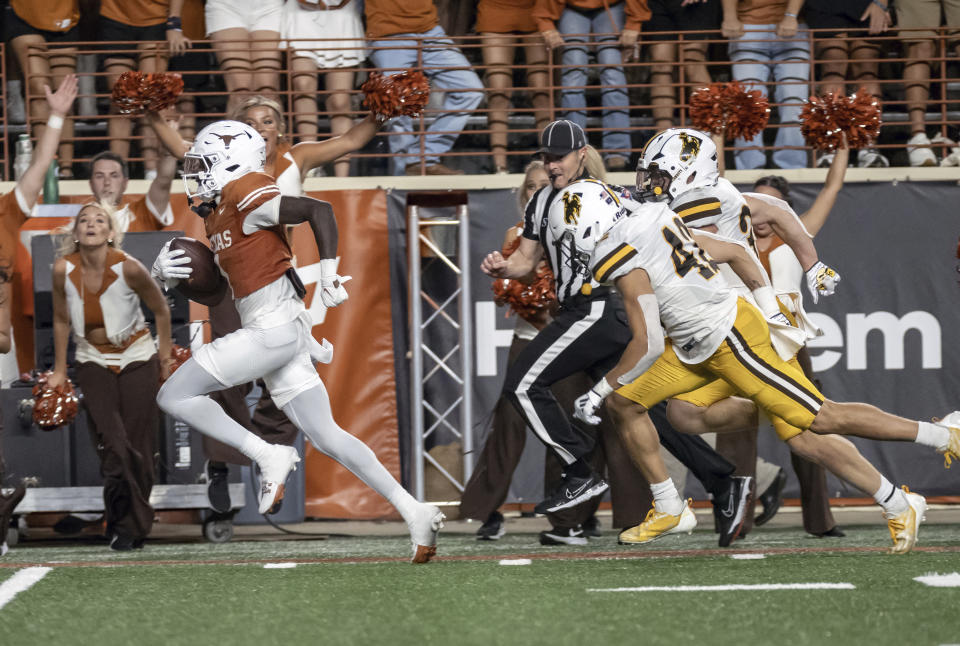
(332, 291)
(821, 281)
(586, 407)
(171, 267)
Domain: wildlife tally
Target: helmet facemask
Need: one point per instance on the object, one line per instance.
(653, 183)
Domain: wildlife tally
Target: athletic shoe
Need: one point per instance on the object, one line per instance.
(572, 491)
(424, 527)
(918, 149)
(951, 451)
(824, 160)
(657, 525)
(871, 158)
(563, 536)
(274, 470)
(121, 543)
(905, 527)
(730, 508)
(218, 489)
(952, 158)
(591, 527)
(492, 530)
(833, 532)
(771, 499)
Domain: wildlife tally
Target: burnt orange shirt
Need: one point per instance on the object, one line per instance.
(49, 15)
(761, 12)
(546, 13)
(505, 16)
(775, 242)
(136, 13)
(249, 261)
(390, 17)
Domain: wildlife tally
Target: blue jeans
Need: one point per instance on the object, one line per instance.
(754, 64)
(613, 93)
(463, 92)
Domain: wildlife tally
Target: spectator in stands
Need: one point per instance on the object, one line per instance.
(443, 63)
(767, 43)
(678, 15)
(834, 50)
(246, 38)
(563, 24)
(503, 26)
(35, 31)
(150, 23)
(193, 65)
(97, 291)
(109, 175)
(921, 51)
(327, 22)
(15, 207)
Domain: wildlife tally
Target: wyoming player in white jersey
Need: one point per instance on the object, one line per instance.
(666, 274)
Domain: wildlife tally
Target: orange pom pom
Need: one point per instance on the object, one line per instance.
(138, 93)
(729, 109)
(527, 300)
(53, 407)
(826, 119)
(401, 94)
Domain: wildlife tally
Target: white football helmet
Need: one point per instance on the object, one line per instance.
(222, 152)
(580, 215)
(675, 161)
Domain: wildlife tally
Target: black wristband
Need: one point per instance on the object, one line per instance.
(174, 22)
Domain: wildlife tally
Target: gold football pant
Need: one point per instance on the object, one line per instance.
(746, 364)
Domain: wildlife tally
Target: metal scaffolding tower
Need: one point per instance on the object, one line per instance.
(434, 366)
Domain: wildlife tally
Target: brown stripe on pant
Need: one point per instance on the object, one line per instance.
(124, 423)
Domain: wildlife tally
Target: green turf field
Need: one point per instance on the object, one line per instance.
(358, 590)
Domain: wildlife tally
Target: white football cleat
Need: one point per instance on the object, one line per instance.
(274, 470)
(905, 527)
(951, 451)
(424, 527)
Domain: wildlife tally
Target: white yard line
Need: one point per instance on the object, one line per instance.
(724, 588)
(951, 580)
(19, 582)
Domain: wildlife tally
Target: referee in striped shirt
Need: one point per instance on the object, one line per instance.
(586, 335)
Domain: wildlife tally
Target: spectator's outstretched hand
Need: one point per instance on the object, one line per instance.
(630, 51)
(731, 28)
(553, 39)
(787, 28)
(878, 17)
(61, 100)
(177, 42)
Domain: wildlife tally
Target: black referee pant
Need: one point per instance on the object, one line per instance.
(589, 334)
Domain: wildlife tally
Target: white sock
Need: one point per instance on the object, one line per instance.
(666, 500)
(932, 435)
(890, 498)
(253, 447)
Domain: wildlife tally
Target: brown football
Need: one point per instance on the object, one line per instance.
(206, 284)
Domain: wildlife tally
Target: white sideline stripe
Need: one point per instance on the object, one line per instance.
(19, 582)
(747, 557)
(726, 588)
(515, 561)
(278, 566)
(951, 580)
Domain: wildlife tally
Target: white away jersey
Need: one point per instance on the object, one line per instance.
(697, 306)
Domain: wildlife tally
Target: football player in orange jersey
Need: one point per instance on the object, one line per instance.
(244, 215)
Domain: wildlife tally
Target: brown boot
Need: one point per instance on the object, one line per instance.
(7, 505)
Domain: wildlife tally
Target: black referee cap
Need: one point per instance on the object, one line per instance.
(561, 137)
